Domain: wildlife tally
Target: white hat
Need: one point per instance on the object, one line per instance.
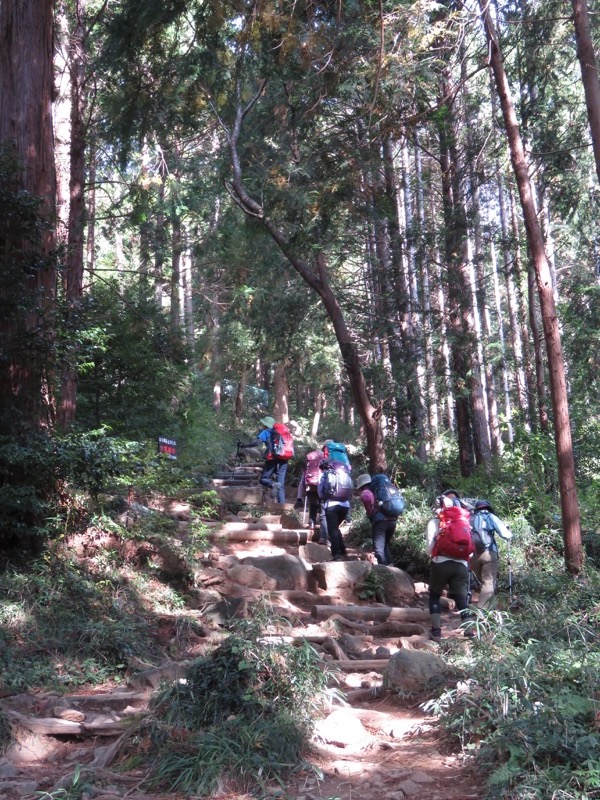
(362, 480)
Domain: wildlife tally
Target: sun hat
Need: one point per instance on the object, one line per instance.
(268, 422)
(362, 480)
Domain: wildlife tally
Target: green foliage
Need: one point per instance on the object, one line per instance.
(241, 717)
(529, 708)
(6, 733)
(372, 587)
(130, 366)
(82, 625)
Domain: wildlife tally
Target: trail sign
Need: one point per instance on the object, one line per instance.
(167, 446)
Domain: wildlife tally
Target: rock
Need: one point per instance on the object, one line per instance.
(290, 523)
(251, 576)
(289, 571)
(9, 771)
(352, 645)
(70, 714)
(398, 586)
(27, 788)
(414, 671)
(345, 575)
(341, 728)
(314, 553)
(226, 609)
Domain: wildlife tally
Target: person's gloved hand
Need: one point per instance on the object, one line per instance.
(241, 445)
(298, 504)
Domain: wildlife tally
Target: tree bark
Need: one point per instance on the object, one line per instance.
(556, 366)
(589, 73)
(73, 274)
(318, 279)
(26, 84)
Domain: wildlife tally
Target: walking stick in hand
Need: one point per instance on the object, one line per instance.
(304, 512)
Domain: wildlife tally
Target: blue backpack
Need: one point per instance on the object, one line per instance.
(387, 496)
(336, 451)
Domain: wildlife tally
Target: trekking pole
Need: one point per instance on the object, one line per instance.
(304, 512)
(510, 575)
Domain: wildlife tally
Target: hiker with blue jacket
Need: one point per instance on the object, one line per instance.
(279, 449)
(383, 505)
(484, 564)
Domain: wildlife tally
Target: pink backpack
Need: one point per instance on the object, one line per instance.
(312, 473)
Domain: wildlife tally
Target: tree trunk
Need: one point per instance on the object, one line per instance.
(281, 390)
(589, 73)
(556, 366)
(26, 84)
(318, 280)
(73, 274)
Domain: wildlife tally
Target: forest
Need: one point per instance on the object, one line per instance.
(374, 220)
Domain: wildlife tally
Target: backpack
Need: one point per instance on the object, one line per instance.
(454, 535)
(312, 473)
(387, 496)
(482, 532)
(337, 482)
(282, 442)
(336, 451)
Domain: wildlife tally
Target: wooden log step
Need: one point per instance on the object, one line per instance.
(360, 665)
(373, 613)
(277, 537)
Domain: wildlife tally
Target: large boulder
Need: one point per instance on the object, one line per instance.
(415, 671)
(314, 553)
(340, 576)
(398, 586)
(247, 575)
(289, 571)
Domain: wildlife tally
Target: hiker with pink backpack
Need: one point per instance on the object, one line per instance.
(308, 495)
(279, 444)
(335, 490)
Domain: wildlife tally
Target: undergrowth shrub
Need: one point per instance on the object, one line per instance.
(529, 709)
(241, 718)
(62, 625)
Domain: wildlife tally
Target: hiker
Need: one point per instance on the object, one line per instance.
(279, 449)
(308, 492)
(450, 546)
(383, 505)
(335, 490)
(484, 565)
(336, 451)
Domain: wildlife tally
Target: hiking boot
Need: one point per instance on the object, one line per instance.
(436, 634)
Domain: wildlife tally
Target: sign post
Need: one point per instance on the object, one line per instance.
(167, 447)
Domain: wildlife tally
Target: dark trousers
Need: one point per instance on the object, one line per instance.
(273, 473)
(381, 534)
(454, 575)
(334, 516)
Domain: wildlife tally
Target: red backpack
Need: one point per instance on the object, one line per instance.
(454, 535)
(312, 473)
(282, 442)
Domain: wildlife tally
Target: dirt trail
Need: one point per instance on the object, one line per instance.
(393, 752)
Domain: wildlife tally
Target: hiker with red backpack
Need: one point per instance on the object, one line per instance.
(279, 449)
(335, 491)
(450, 545)
(383, 505)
